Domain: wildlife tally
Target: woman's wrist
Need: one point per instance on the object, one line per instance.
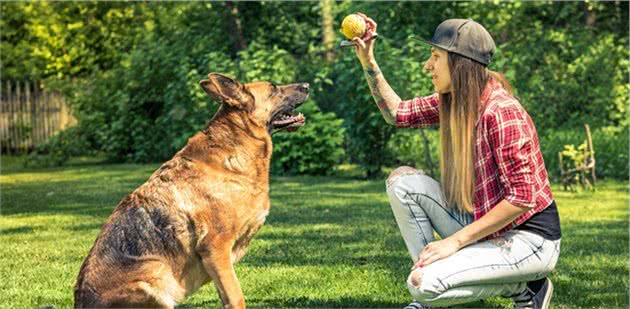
(462, 237)
(369, 64)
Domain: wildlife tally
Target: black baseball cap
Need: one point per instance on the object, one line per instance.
(464, 37)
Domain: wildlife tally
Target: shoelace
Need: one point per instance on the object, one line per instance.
(525, 300)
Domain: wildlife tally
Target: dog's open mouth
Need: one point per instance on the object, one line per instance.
(288, 121)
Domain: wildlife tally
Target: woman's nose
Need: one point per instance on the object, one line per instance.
(427, 66)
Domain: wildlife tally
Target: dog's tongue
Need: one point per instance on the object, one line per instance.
(291, 129)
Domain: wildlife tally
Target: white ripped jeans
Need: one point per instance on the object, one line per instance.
(498, 267)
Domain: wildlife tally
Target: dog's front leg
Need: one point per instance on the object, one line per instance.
(217, 260)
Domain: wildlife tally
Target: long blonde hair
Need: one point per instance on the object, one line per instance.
(459, 111)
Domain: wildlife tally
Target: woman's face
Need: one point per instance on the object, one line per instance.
(437, 65)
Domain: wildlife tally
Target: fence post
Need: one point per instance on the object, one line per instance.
(2, 128)
(16, 124)
(9, 118)
(46, 120)
(25, 117)
(30, 105)
(3, 112)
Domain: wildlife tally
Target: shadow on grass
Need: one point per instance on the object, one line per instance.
(83, 227)
(17, 230)
(305, 302)
(94, 192)
(10, 165)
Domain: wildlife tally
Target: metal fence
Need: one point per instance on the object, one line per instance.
(29, 116)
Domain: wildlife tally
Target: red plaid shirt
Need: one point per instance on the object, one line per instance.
(508, 161)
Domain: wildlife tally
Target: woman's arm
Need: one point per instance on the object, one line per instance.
(498, 217)
(384, 96)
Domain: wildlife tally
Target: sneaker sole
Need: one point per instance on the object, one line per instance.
(547, 299)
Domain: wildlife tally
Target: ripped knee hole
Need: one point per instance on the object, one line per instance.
(415, 278)
(402, 171)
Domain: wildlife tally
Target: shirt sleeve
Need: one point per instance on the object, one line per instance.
(418, 112)
(510, 136)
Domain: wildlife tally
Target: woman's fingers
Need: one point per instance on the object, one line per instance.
(431, 259)
(370, 27)
(358, 42)
(367, 19)
(371, 24)
(422, 257)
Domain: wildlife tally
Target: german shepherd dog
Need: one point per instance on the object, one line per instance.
(194, 217)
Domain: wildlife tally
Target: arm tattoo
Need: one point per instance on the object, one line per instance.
(386, 99)
(372, 72)
(382, 105)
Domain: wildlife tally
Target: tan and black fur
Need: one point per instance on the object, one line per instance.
(194, 217)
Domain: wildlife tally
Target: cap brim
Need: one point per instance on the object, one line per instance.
(429, 42)
(446, 49)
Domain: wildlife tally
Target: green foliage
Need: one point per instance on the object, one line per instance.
(64, 39)
(367, 131)
(131, 69)
(609, 144)
(61, 147)
(154, 103)
(145, 109)
(577, 162)
(315, 148)
(577, 156)
(407, 147)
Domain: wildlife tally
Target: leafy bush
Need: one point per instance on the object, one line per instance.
(315, 148)
(58, 149)
(407, 147)
(146, 109)
(134, 67)
(610, 146)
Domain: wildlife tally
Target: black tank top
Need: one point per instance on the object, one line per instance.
(545, 223)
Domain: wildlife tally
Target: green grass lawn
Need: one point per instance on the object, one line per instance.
(328, 241)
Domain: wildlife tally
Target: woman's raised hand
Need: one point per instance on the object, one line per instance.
(364, 46)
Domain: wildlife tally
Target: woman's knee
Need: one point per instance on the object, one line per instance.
(425, 287)
(401, 172)
(406, 179)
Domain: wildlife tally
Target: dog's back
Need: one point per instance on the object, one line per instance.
(142, 247)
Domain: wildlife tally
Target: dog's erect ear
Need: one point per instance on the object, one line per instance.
(226, 90)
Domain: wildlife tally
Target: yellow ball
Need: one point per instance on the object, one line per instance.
(353, 26)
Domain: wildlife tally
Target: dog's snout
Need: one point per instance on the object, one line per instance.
(303, 87)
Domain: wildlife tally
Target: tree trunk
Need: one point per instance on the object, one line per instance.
(591, 152)
(590, 16)
(328, 32)
(235, 28)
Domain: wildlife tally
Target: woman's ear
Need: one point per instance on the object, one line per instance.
(225, 90)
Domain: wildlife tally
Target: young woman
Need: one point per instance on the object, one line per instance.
(493, 209)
